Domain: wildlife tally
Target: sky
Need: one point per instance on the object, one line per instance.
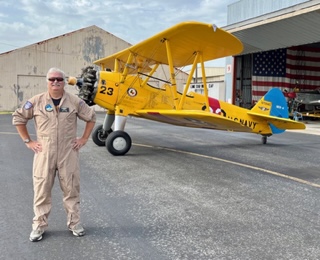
(25, 22)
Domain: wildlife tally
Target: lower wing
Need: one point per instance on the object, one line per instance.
(193, 118)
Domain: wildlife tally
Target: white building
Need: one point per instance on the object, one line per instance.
(267, 28)
(215, 82)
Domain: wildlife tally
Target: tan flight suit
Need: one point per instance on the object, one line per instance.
(56, 129)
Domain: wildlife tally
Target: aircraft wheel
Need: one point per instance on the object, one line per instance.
(118, 143)
(263, 139)
(99, 136)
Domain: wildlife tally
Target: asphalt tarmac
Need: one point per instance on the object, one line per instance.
(179, 193)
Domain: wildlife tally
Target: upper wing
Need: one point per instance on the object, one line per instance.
(193, 118)
(185, 40)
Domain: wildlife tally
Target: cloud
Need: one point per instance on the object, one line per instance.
(25, 22)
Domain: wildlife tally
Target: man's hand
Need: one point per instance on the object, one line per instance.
(78, 143)
(34, 146)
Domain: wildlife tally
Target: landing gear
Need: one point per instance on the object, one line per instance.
(264, 139)
(99, 135)
(118, 143)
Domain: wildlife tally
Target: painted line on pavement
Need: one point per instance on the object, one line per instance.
(238, 164)
(9, 133)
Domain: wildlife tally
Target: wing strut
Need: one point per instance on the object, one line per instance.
(150, 75)
(194, 66)
(204, 80)
(116, 65)
(126, 68)
(172, 77)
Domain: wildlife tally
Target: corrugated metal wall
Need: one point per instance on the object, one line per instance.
(247, 9)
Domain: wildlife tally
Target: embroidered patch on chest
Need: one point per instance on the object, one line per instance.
(48, 108)
(64, 109)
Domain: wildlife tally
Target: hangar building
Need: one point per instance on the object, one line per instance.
(23, 70)
(281, 48)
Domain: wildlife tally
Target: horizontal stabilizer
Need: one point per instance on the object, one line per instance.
(281, 123)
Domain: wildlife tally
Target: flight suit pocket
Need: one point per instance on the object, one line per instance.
(42, 119)
(70, 115)
(40, 113)
(41, 165)
(69, 183)
(69, 119)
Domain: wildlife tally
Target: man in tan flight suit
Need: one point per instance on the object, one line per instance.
(56, 149)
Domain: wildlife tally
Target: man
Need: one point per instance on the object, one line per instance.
(56, 149)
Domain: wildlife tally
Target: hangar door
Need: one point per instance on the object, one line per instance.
(243, 86)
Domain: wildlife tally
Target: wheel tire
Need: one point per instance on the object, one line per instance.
(263, 139)
(118, 143)
(99, 136)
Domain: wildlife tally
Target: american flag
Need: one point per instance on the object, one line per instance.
(294, 67)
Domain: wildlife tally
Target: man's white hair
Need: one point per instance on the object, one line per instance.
(57, 70)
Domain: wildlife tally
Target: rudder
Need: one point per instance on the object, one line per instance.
(279, 106)
(273, 103)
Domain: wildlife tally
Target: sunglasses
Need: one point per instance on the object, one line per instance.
(56, 79)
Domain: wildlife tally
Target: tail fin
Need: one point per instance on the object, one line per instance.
(273, 104)
(273, 108)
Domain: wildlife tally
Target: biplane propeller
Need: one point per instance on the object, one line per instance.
(122, 87)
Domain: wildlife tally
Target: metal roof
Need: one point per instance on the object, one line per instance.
(297, 25)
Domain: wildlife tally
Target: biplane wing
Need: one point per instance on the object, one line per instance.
(185, 39)
(193, 118)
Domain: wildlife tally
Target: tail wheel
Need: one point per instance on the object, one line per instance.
(99, 135)
(118, 143)
(264, 139)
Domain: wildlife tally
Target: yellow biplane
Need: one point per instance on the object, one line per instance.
(122, 87)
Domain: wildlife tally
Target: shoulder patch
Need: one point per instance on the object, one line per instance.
(27, 105)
